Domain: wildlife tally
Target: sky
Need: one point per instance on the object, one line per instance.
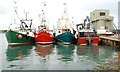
(78, 9)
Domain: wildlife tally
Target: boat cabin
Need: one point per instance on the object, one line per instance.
(64, 30)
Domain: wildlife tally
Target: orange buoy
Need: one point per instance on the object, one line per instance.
(19, 36)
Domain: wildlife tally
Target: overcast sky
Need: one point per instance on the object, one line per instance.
(78, 9)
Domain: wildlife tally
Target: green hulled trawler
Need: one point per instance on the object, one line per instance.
(22, 33)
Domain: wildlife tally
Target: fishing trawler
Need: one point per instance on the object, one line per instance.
(22, 33)
(86, 34)
(64, 33)
(43, 36)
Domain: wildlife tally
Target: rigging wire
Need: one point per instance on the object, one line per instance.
(15, 14)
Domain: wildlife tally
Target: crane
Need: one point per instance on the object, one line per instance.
(85, 25)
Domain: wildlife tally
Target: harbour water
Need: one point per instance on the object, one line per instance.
(54, 57)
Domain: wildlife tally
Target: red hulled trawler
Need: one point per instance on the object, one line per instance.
(43, 36)
(86, 34)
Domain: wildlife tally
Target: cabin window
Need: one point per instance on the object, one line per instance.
(106, 27)
(59, 31)
(102, 13)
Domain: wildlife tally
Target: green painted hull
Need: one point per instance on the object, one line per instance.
(12, 37)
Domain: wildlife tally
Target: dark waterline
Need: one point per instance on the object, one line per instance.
(54, 57)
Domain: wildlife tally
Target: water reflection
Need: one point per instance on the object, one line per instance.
(81, 50)
(60, 57)
(17, 52)
(44, 50)
(95, 54)
(65, 52)
(106, 53)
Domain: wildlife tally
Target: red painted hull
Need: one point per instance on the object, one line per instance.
(82, 41)
(44, 37)
(96, 40)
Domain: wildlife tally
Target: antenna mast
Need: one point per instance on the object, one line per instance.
(26, 14)
(15, 13)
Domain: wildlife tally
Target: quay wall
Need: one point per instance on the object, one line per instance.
(111, 41)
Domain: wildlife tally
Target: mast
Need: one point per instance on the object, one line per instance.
(26, 14)
(42, 16)
(15, 8)
(14, 17)
(15, 11)
(72, 22)
(65, 18)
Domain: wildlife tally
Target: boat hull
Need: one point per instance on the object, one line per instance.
(16, 38)
(44, 38)
(95, 40)
(82, 41)
(88, 40)
(65, 38)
